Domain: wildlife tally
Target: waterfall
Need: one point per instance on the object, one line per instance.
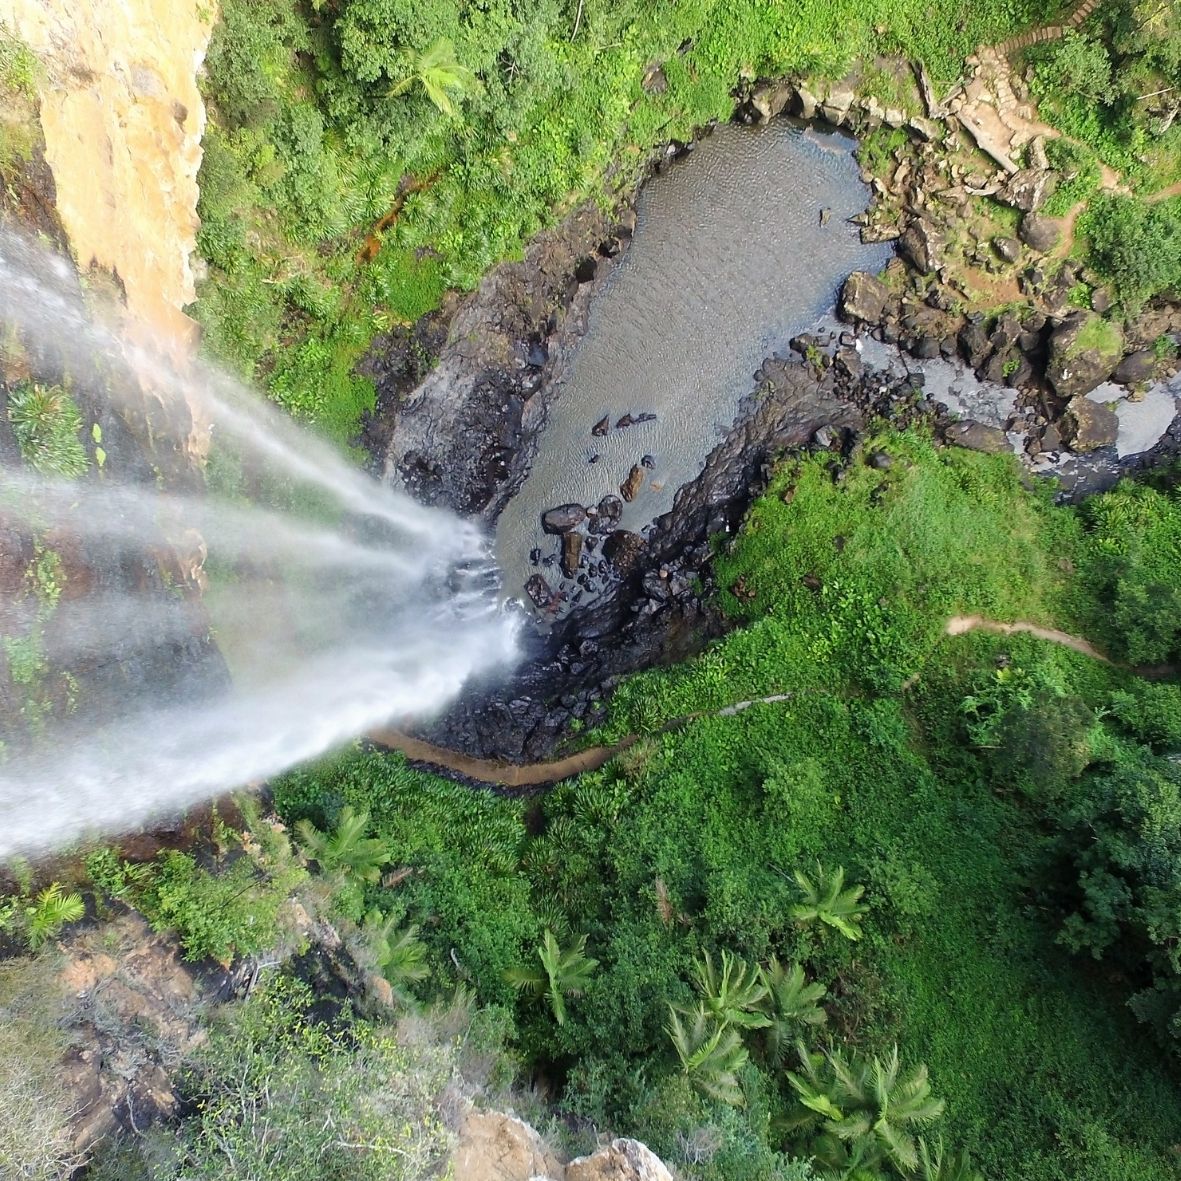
(337, 603)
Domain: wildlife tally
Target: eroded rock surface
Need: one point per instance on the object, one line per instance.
(122, 120)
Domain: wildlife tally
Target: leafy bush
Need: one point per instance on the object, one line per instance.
(1136, 246)
(46, 424)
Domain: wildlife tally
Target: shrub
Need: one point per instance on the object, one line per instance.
(1136, 246)
(46, 424)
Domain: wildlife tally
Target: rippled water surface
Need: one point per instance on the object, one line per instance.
(733, 255)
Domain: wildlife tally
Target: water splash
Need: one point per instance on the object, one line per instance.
(336, 603)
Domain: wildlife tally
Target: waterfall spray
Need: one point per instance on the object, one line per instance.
(336, 603)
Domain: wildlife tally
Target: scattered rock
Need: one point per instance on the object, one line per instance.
(654, 80)
(630, 488)
(1136, 368)
(1039, 232)
(863, 298)
(539, 592)
(623, 1160)
(976, 436)
(648, 461)
(1008, 249)
(624, 422)
(1087, 426)
(1101, 300)
(1025, 189)
(623, 550)
(602, 426)
(572, 544)
(1084, 351)
(563, 518)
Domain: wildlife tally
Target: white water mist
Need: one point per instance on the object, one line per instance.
(340, 606)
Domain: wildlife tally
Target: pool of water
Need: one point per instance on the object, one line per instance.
(738, 247)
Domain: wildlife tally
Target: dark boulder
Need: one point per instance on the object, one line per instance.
(607, 514)
(921, 245)
(1084, 351)
(1087, 426)
(1039, 232)
(976, 436)
(1008, 249)
(563, 518)
(863, 298)
(602, 426)
(1136, 368)
(539, 592)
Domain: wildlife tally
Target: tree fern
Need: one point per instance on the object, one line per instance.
(52, 910)
(732, 994)
(791, 1005)
(827, 900)
(398, 950)
(562, 972)
(711, 1055)
(438, 72)
(346, 848)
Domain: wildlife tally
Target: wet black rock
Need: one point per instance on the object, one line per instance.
(602, 426)
(607, 514)
(623, 550)
(539, 592)
(624, 422)
(648, 461)
(563, 518)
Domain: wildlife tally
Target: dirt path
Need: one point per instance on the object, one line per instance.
(957, 625)
(523, 776)
(1174, 190)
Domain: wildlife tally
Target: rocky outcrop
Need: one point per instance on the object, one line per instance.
(863, 298)
(622, 1160)
(1087, 426)
(1084, 351)
(977, 436)
(497, 1147)
(122, 120)
(1039, 232)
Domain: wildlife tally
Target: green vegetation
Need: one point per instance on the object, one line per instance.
(462, 129)
(47, 424)
(925, 847)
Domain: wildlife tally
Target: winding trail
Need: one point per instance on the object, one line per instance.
(525, 776)
(957, 625)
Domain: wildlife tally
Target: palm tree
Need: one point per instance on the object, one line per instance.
(400, 954)
(867, 1103)
(733, 995)
(563, 972)
(791, 1004)
(936, 1165)
(347, 848)
(711, 1055)
(826, 899)
(52, 910)
(437, 71)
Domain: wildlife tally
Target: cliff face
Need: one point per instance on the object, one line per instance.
(122, 120)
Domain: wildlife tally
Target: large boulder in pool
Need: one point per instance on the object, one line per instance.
(563, 518)
(1084, 351)
(623, 549)
(863, 298)
(1087, 426)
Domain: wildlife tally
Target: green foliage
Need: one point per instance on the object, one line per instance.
(18, 63)
(346, 849)
(564, 971)
(230, 910)
(1136, 246)
(52, 910)
(826, 899)
(47, 424)
(710, 1052)
(281, 1095)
